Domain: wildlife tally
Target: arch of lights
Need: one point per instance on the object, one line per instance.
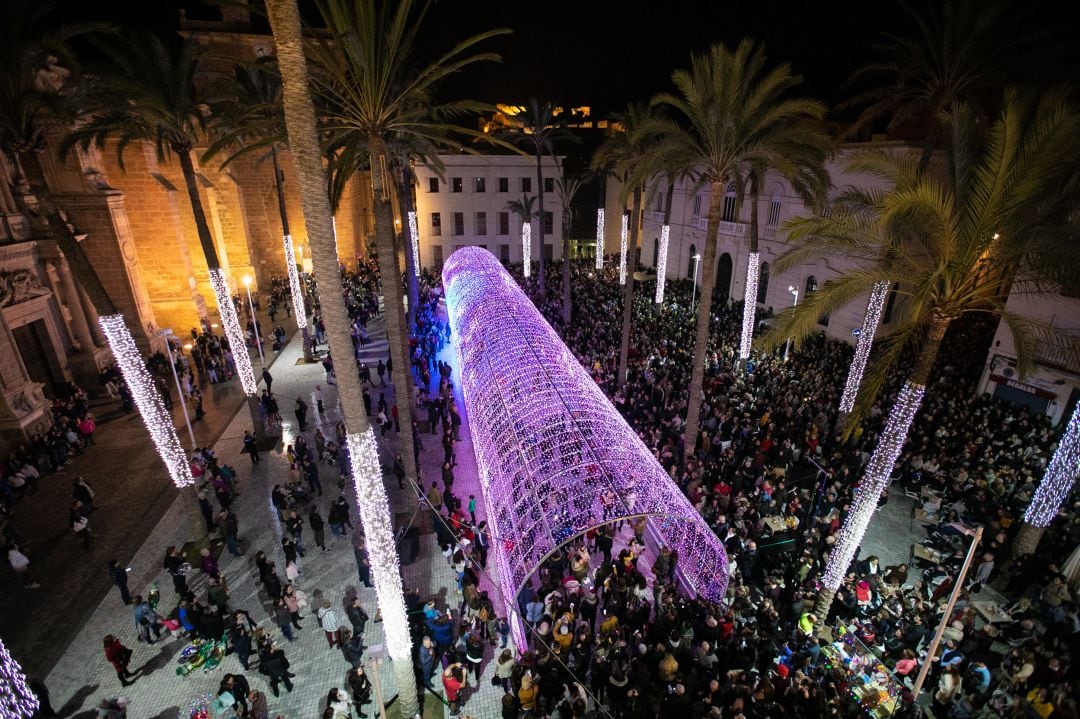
(550, 447)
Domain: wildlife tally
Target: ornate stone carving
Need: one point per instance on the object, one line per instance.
(19, 285)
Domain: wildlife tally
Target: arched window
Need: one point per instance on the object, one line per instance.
(774, 210)
(690, 264)
(729, 204)
(656, 251)
(763, 283)
(890, 305)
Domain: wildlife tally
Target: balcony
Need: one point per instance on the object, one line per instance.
(1057, 355)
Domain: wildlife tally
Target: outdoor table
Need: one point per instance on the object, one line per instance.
(920, 551)
(776, 524)
(991, 612)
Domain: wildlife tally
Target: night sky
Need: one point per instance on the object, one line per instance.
(606, 54)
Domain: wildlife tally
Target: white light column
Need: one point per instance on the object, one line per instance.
(414, 237)
(230, 323)
(294, 284)
(871, 319)
(158, 420)
(600, 239)
(749, 311)
(526, 247)
(622, 248)
(661, 263)
(1060, 476)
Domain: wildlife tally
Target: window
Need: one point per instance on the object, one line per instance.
(459, 223)
(481, 223)
(526, 184)
(811, 286)
(455, 184)
(824, 319)
(763, 283)
(504, 223)
(436, 223)
(890, 305)
(549, 184)
(504, 254)
(433, 184)
(504, 184)
(697, 208)
(436, 254)
(728, 214)
(690, 265)
(549, 222)
(774, 211)
(481, 184)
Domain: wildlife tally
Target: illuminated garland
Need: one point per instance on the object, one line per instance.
(661, 263)
(1059, 478)
(158, 420)
(526, 247)
(16, 699)
(862, 349)
(414, 237)
(874, 481)
(753, 262)
(375, 516)
(600, 238)
(230, 323)
(622, 249)
(294, 284)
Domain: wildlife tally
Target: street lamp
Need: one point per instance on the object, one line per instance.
(168, 335)
(693, 296)
(254, 322)
(794, 293)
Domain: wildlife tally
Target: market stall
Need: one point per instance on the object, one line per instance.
(869, 681)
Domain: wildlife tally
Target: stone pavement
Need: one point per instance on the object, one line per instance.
(132, 493)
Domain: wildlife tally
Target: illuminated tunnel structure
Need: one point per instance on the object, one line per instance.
(550, 447)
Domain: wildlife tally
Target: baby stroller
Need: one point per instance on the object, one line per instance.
(330, 453)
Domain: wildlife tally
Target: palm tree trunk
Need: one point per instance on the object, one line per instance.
(396, 330)
(568, 221)
(628, 292)
(662, 251)
(412, 269)
(704, 314)
(367, 476)
(1053, 490)
(752, 268)
(879, 469)
(540, 214)
(299, 309)
(871, 319)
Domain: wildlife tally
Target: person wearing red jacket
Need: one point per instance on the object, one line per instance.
(118, 655)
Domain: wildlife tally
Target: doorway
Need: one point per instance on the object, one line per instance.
(35, 348)
(723, 276)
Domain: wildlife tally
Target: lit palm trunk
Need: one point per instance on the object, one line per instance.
(661, 263)
(622, 249)
(526, 248)
(753, 264)
(862, 350)
(600, 239)
(1053, 490)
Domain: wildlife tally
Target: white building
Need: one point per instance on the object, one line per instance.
(468, 206)
(777, 204)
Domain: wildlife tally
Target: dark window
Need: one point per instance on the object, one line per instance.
(526, 184)
(481, 223)
(436, 252)
(504, 223)
(549, 184)
(811, 286)
(455, 184)
(504, 184)
(436, 223)
(729, 204)
(890, 305)
(763, 283)
(549, 222)
(504, 254)
(459, 223)
(433, 184)
(481, 184)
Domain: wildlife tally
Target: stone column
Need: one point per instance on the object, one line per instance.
(75, 303)
(91, 318)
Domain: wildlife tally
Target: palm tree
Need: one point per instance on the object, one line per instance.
(247, 119)
(525, 210)
(1005, 201)
(733, 116)
(566, 188)
(1055, 487)
(147, 93)
(542, 128)
(371, 496)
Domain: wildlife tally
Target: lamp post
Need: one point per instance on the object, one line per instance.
(795, 293)
(168, 335)
(693, 296)
(254, 322)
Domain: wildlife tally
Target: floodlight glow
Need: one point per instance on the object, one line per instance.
(871, 319)
(414, 237)
(600, 238)
(549, 445)
(622, 249)
(526, 247)
(661, 263)
(874, 481)
(294, 284)
(231, 325)
(144, 393)
(1059, 478)
(753, 262)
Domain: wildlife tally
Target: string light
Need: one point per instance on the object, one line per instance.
(874, 481)
(1059, 478)
(16, 699)
(414, 237)
(230, 323)
(661, 263)
(158, 420)
(550, 447)
(375, 516)
(526, 247)
(862, 350)
(622, 248)
(294, 284)
(600, 238)
(753, 262)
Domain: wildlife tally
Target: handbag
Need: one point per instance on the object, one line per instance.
(495, 681)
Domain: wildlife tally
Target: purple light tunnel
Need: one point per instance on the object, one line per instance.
(555, 457)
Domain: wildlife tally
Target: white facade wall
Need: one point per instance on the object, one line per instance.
(687, 237)
(491, 202)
